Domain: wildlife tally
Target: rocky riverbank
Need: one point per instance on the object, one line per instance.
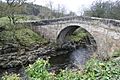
(12, 56)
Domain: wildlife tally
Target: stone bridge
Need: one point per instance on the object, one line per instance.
(106, 32)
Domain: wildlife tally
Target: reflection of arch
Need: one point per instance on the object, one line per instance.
(61, 38)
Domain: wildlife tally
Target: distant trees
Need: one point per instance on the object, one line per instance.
(108, 9)
(59, 11)
(56, 12)
(71, 13)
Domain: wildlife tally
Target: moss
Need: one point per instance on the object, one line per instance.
(27, 37)
(20, 35)
(6, 37)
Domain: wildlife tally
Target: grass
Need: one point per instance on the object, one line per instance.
(21, 35)
(25, 37)
(4, 20)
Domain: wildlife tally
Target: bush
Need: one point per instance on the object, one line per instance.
(94, 70)
(11, 77)
(38, 71)
(69, 75)
(100, 70)
(78, 35)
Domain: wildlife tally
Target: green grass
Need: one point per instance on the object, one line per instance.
(21, 35)
(5, 20)
(27, 37)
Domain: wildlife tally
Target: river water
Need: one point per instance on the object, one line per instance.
(73, 60)
(79, 57)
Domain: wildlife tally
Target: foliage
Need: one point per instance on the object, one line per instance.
(104, 9)
(20, 35)
(11, 77)
(94, 70)
(27, 37)
(78, 35)
(69, 75)
(38, 71)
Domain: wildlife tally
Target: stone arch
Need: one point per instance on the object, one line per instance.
(69, 30)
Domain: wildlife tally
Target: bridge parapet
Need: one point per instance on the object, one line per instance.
(73, 18)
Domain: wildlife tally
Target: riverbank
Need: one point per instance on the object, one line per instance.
(22, 47)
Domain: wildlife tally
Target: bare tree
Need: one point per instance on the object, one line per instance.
(50, 5)
(60, 10)
(14, 7)
(63, 11)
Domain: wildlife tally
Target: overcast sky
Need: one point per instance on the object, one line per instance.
(71, 5)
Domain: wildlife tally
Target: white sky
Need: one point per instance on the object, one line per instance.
(76, 6)
(71, 5)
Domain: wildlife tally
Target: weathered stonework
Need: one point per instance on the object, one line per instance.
(106, 32)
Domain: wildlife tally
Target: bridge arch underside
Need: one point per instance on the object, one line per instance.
(89, 40)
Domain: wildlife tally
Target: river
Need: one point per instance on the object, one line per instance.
(73, 60)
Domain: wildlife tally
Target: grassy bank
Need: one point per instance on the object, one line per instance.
(19, 34)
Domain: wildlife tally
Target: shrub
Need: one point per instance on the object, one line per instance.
(99, 70)
(38, 71)
(69, 75)
(78, 35)
(94, 70)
